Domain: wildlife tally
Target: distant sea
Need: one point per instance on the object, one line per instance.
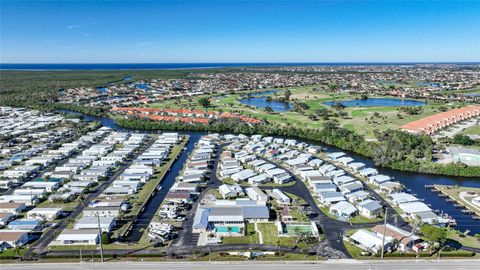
(129, 66)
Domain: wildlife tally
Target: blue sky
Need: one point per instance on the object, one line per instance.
(238, 31)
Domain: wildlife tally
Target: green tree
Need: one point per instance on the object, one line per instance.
(288, 93)
(268, 109)
(433, 233)
(204, 102)
(105, 238)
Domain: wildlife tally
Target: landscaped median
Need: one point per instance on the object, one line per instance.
(141, 198)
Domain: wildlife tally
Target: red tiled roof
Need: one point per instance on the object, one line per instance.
(439, 120)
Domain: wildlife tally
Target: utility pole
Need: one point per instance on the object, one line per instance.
(384, 231)
(100, 234)
(80, 255)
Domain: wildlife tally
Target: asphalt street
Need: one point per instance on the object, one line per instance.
(50, 235)
(335, 264)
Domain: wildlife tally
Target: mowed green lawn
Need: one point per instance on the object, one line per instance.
(475, 130)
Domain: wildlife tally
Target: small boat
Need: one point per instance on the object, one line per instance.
(159, 188)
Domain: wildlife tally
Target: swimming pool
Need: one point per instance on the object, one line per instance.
(232, 229)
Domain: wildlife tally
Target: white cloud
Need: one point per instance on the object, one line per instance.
(81, 25)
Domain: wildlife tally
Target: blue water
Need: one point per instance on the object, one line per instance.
(225, 229)
(262, 103)
(374, 102)
(429, 84)
(111, 66)
(143, 86)
(102, 89)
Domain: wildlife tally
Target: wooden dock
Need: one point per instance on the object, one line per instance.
(457, 202)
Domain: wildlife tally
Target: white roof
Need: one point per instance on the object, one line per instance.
(414, 207)
(403, 197)
(344, 207)
(77, 235)
(368, 239)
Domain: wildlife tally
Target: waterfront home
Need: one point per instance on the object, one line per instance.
(402, 197)
(256, 194)
(390, 187)
(379, 179)
(369, 241)
(370, 208)
(192, 178)
(343, 209)
(178, 196)
(118, 191)
(231, 191)
(411, 208)
(406, 240)
(329, 198)
(344, 160)
(12, 239)
(88, 222)
(47, 213)
(335, 155)
(429, 217)
(356, 166)
(77, 237)
(188, 187)
(368, 172)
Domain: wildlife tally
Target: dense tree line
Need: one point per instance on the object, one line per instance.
(394, 149)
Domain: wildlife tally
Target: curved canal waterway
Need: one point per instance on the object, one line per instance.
(415, 182)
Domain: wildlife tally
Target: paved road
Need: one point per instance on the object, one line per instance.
(50, 235)
(144, 218)
(252, 265)
(185, 238)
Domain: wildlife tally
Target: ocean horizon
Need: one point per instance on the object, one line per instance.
(152, 66)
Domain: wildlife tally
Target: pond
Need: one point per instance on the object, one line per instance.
(102, 90)
(262, 103)
(376, 102)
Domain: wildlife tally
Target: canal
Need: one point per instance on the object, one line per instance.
(415, 182)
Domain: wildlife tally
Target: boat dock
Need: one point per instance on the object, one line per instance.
(451, 194)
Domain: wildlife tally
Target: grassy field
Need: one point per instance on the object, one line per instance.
(363, 120)
(475, 130)
(465, 240)
(140, 198)
(270, 236)
(250, 237)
